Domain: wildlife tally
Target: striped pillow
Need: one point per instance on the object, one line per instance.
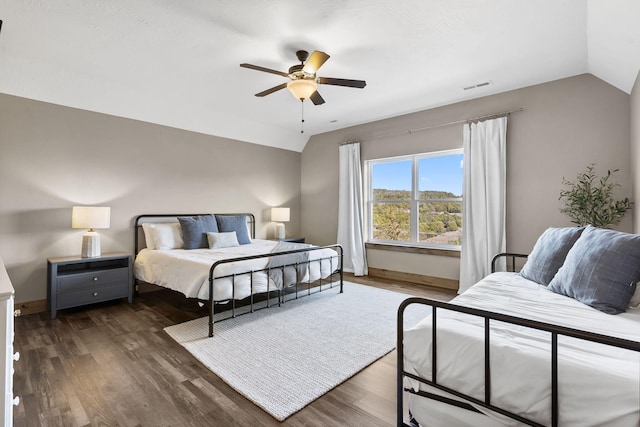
(601, 270)
(549, 253)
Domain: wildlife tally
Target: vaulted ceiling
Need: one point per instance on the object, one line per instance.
(176, 63)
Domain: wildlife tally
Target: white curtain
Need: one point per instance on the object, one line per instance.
(484, 198)
(350, 210)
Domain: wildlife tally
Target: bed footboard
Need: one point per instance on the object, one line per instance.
(335, 268)
(472, 403)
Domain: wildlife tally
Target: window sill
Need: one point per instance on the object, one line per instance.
(413, 249)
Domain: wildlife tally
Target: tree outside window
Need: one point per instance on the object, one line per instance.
(416, 199)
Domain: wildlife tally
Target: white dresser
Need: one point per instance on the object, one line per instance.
(6, 336)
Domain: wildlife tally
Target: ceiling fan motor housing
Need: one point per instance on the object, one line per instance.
(296, 72)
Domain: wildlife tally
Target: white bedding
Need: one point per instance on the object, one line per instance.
(598, 385)
(187, 271)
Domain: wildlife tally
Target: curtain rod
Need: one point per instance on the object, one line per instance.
(479, 118)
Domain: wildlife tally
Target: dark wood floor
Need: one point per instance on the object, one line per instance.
(112, 364)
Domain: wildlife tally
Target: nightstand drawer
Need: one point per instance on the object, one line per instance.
(91, 295)
(92, 279)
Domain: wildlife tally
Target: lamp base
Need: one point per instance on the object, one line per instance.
(280, 233)
(90, 245)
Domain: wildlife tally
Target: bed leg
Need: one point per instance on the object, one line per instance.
(341, 268)
(212, 300)
(211, 312)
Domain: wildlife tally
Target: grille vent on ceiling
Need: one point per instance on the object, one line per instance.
(477, 85)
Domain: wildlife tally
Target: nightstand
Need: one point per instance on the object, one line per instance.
(293, 240)
(75, 281)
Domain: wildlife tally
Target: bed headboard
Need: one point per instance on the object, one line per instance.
(140, 243)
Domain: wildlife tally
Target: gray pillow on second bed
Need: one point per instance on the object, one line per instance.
(601, 270)
(549, 253)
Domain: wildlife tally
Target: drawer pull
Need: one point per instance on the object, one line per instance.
(95, 279)
(16, 356)
(95, 294)
(16, 401)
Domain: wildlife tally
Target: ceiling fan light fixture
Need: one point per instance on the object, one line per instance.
(302, 88)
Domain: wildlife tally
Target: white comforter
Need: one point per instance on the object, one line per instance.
(187, 271)
(598, 385)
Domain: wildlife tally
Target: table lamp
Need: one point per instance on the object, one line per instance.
(280, 215)
(90, 217)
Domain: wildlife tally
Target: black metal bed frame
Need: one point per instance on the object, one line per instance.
(281, 294)
(488, 316)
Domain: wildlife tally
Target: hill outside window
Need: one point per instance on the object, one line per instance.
(415, 200)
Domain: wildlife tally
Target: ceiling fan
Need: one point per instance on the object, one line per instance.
(303, 82)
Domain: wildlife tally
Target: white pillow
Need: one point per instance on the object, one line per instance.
(222, 240)
(148, 227)
(164, 236)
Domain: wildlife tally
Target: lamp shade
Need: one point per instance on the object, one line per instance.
(91, 217)
(280, 214)
(302, 88)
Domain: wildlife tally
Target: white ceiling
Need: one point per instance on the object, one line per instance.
(176, 63)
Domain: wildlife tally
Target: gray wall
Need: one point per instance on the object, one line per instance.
(566, 125)
(54, 157)
(635, 150)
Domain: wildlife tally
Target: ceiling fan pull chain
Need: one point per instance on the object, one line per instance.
(302, 120)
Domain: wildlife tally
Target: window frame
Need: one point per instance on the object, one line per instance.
(414, 201)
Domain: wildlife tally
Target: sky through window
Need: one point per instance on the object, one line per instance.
(441, 173)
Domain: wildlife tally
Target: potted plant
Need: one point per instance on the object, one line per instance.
(589, 200)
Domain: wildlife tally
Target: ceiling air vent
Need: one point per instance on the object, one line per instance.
(477, 85)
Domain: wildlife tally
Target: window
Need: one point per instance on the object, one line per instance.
(416, 200)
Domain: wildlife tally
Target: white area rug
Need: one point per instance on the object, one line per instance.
(283, 358)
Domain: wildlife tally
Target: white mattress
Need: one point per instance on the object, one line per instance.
(187, 271)
(598, 385)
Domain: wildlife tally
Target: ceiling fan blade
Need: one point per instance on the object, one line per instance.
(315, 61)
(316, 98)
(273, 89)
(266, 70)
(342, 82)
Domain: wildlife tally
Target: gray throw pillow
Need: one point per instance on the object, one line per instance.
(548, 254)
(194, 229)
(237, 223)
(601, 270)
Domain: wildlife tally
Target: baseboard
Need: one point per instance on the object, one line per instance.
(437, 282)
(31, 307)
(40, 306)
